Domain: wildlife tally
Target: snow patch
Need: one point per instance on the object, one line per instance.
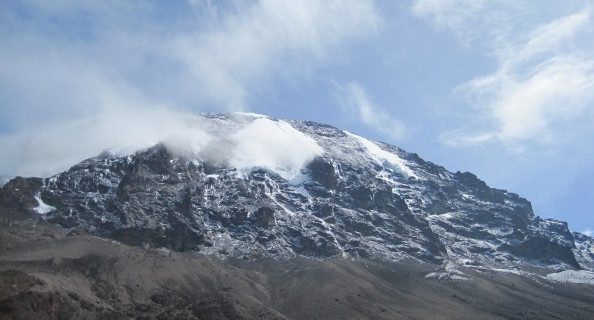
(43, 207)
(250, 114)
(572, 276)
(445, 276)
(512, 271)
(273, 145)
(384, 157)
(448, 272)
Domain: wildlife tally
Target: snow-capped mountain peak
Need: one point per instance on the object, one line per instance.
(251, 186)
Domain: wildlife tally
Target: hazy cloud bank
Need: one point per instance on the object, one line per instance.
(77, 77)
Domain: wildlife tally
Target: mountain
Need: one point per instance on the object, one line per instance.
(249, 188)
(266, 187)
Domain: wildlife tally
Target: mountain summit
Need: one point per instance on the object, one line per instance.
(249, 186)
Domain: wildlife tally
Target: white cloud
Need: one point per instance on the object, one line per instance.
(269, 36)
(274, 145)
(544, 82)
(465, 137)
(55, 147)
(122, 62)
(588, 232)
(546, 39)
(558, 90)
(255, 142)
(355, 103)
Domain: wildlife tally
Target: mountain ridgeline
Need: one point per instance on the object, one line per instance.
(338, 195)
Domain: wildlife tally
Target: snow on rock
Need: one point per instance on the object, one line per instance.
(584, 250)
(384, 157)
(448, 272)
(572, 276)
(251, 114)
(512, 271)
(446, 276)
(273, 145)
(43, 207)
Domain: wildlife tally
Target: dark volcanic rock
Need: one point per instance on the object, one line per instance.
(264, 217)
(323, 172)
(544, 250)
(17, 198)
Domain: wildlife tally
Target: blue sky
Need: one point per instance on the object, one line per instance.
(504, 89)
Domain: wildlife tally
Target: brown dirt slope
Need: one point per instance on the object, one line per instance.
(47, 275)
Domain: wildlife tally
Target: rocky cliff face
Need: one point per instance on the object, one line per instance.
(346, 196)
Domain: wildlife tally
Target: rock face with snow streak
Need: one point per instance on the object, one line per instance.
(266, 187)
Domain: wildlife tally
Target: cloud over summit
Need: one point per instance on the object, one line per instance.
(119, 62)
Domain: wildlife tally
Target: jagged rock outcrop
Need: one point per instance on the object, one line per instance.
(17, 198)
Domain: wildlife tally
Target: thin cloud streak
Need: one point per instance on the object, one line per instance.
(471, 21)
(356, 104)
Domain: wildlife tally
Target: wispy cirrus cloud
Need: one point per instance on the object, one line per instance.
(470, 20)
(356, 104)
(269, 37)
(544, 81)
